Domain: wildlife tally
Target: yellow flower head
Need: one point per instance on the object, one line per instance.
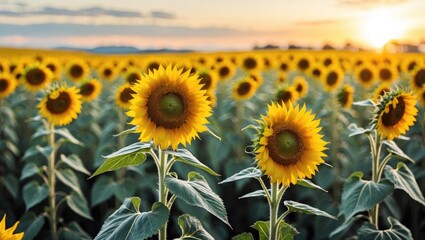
(332, 78)
(301, 86)
(36, 77)
(123, 95)
(77, 70)
(7, 85)
(90, 90)
(345, 96)
(244, 89)
(169, 107)
(289, 146)
(7, 234)
(287, 95)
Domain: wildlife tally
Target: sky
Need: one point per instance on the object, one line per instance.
(209, 25)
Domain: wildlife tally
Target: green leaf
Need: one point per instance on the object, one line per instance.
(403, 179)
(12, 184)
(251, 172)
(74, 162)
(33, 193)
(306, 209)
(102, 189)
(394, 149)
(396, 231)
(357, 130)
(78, 204)
(31, 225)
(68, 177)
(128, 223)
(185, 156)
(196, 192)
(286, 231)
(359, 195)
(66, 134)
(192, 228)
(257, 193)
(345, 226)
(127, 131)
(74, 231)
(365, 103)
(33, 151)
(309, 184)
(243, 236)
(131, 155)
(29, 170)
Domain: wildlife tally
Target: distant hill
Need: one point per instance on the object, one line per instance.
(123, 50)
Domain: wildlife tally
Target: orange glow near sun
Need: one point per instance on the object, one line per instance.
(380, 26)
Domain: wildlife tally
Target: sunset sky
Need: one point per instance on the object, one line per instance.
(209, 25)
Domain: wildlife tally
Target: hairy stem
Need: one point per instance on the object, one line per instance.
(162, 190)
(274, 207)
(51, 183)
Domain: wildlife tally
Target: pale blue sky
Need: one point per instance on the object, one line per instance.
(218, 24)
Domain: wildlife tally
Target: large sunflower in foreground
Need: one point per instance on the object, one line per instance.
(289, 146)
(7, 234)
(36, 77)
(90, 90)
(395, 113)
(7, 85)
(61, 105)
(169, 107)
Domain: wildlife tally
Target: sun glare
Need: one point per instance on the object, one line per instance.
(380, 26)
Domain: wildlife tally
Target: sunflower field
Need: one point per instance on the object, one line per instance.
(264, 144)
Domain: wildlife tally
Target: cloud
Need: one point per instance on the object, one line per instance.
(370, 3)
(83, 12)
(162, 15)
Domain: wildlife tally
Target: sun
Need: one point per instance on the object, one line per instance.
(379, 26)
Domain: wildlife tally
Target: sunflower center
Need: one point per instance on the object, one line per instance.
(107, 72)
(299, 88)
(36, 76)
(152, 66)
(87, 89)
(385, 74)
(52, 67)
(366, 75)
(303, 64)
(395, 114)
(317, 72)
(60, 104)
(3, 85)
(244, 88)
(224, 71)
(206, 80)
(167, 108)
(12, 68)
(420, 78)
(284, 66)
(76, 71)
(411, 66)
(332, 78)
(343, 97)
(327, 62)
(126, 96)
(284, 96)
(132, 78)
(250, 63)
(285, 147)
(1, 68)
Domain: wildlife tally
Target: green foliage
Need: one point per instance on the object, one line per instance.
(251, 172)
(360, 195)
(78, 204)
(31, 225)
(129, 223)
(396, 231)
(74, 231)
(243, 236)
(185, 156)
(306, 209)
(33, 193)
(192, 228)
(285, 231)
(74, 162)
(68, 177)
(196, 192)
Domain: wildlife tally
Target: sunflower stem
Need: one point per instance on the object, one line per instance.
(239, 121)
(375, 174)
(52, 181)
(162, 190)
(274, 207)
(334, 149)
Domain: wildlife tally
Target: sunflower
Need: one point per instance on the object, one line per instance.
(256, 76)
(7, 234)
(303, 62)
(208, 79)
(212, 98)
(285, 65)
(132, 75)
(169, 107)
(225, 70)
(421, 97)
(77, 70)
(395, 113)
(269, 62)
(409, 64)
(4, 66)
(36, 77)
(281, 78)
(366, 75)
(61, 105)
(54, 66)
(332, 78)
(250, 63)
(380, 91)
(418, 79)
(289, 146)
(316, 71)
(7, 85)
(244, 89)
(387, 73)
(152, 65)
(90, 90)
(345, 96)
(107, 72)
(301, 86)
(286, 95)
(123, 95)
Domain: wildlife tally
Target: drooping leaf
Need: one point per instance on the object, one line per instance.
(243, 236)
(29, 170)
(394, 149)
(257, 193)
(396, 231)
(185, 156)
(129, 223)
(192, 228)
(74, 162)
(102, 189)
(68, 177)
(360, 195)
(355, 130)
(132, 155)
(74, 231)
(309, 184)
(33, 193)
(78, 204)
(33, 151)
(306, 209)
(66, 134)
(251, 172)
(365, 103)
(404, 179)
(196, 192)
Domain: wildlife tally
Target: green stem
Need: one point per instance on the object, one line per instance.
(239, 121)
(376, 176)
(52, 181)
(162, 191)
(334, 149)
(274, 207)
